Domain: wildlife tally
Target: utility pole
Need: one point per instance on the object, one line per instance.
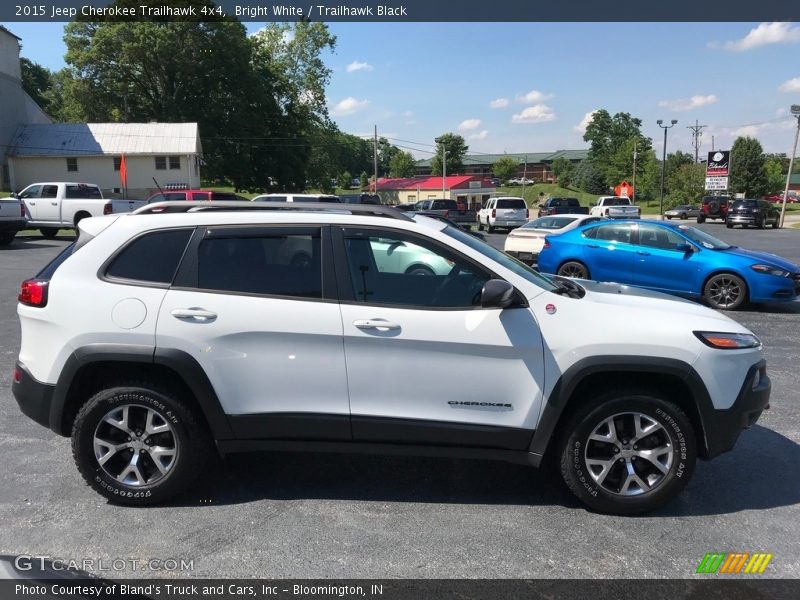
(712, 143)
(633, 193)
(697, 135)
(524, 175)
(796, 113)
(444, 168)
(375, 158)
(664, 160)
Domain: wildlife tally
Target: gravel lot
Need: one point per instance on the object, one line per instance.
(313, 515)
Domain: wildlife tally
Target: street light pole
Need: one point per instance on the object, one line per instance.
(633, 193)
(664, 159)
(796, 113)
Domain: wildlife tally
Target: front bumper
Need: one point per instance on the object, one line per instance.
(34, 397)
(722, 427)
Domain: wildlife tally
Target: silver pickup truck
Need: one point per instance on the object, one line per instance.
(12, 219)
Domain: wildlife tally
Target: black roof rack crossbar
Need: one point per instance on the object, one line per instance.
(185, 206)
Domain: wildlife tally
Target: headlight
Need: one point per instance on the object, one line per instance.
(728, 341)
(770, 270)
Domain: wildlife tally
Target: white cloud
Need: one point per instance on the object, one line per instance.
(532, 96)
(481, 135)
(538, 113)
(358, 66)
(408, 114)
(469, 124)
(790, 85)
(348, 106)
(587, 118)
(499, 103)
(764, 34)
(688, 103)
(747, 131)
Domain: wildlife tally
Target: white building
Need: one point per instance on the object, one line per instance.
(16, 107)
(169, 153)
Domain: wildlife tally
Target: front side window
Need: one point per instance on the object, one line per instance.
(662, 238)
(276, 264)
(151, 258)
(30, 192)
(392, 268)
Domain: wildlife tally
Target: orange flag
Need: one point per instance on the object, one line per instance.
(123, 172)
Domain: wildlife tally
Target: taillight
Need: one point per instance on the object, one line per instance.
(527, 213)
(17, 376)
(546, 244)
(33, 292)
(107, 210)
(494, 213)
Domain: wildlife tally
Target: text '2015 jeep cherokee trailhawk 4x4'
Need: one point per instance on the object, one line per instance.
(157, 336)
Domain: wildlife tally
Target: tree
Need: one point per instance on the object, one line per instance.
(346, 180)
(613, 140)
(563, 171)
(505, 167)
(363, 179)
(37, 82)
(402, 165)
(589, 179)
(774, 173)
(456, 150)
(686, 184)
(747, 168)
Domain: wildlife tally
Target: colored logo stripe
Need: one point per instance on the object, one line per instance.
(734, 562)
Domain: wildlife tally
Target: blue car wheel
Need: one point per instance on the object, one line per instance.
(725, 291)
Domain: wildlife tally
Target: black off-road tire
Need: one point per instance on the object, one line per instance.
(675, 426)
(6, 238)
(701, 219)
(48, 232)
(193, 442)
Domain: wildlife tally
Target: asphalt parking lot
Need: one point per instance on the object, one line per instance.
(320, 516)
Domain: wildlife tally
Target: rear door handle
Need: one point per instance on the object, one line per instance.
(593, 246)
(379, 324)
(195, 315)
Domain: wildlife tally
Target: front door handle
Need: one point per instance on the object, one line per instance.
(195, 315)
(54, 204)
(379, 324)
(642, 253)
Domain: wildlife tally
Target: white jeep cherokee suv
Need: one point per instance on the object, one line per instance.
(157, 337)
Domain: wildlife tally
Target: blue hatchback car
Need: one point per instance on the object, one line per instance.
(677, 259)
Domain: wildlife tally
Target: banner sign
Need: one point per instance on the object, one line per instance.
(718, 164)
(716, 183)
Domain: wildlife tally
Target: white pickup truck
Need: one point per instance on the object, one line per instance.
(615, 207)
(12, 219)
(55, 205)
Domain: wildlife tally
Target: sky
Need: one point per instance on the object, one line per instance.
(530, 87)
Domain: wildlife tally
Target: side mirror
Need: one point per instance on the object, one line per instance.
(684, 248)
(497, 293)
(14, 195)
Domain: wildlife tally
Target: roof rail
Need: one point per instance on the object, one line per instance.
(185, 206)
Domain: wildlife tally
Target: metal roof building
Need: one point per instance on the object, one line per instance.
(535, 165)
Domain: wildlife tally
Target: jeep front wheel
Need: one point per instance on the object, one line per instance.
(139, 445)
(628, 453)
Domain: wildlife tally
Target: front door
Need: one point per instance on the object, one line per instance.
(252, 305)
(660, 265)
(425, 363)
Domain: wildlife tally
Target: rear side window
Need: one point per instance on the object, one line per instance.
(509, 203)
(151, 258)
(270, 264)
(83, 191)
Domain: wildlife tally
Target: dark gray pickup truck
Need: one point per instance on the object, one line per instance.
(446, 208)
(562, 206)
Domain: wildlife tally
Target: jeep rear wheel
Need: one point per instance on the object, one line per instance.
(139, 445)
(628, 453)
(701, 219)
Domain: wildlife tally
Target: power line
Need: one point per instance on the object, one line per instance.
(697, 136)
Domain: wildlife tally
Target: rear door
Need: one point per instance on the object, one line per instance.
(255, 306)
(610, 252)
(425, 363)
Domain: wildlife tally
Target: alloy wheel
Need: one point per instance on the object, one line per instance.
(724, 291)
(629, 454)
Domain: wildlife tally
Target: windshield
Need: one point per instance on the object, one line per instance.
(549, 223)
(502, 258)
(702, 238)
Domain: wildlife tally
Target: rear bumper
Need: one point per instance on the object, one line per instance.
(34, 398)
(743, 219)
(722, 427)
(529, 258)
(507, 222)
(14, 225)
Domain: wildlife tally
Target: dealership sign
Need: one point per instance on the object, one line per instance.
(716, 183)
(718, 164)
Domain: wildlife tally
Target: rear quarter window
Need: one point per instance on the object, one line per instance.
(151, 258)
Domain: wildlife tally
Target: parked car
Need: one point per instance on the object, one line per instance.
(297, 198)
(791, 197)
(172, 338)
(758, 213)
(496, 181)
(615, 207)
(127, 205)
(561, 206)
(683, 212)
(447, 208)
(448, 221)
(505, 211)
(713, 207)
(515, 181)
(677, 259)
(55, 205)
(525, 243)
(12, 219)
